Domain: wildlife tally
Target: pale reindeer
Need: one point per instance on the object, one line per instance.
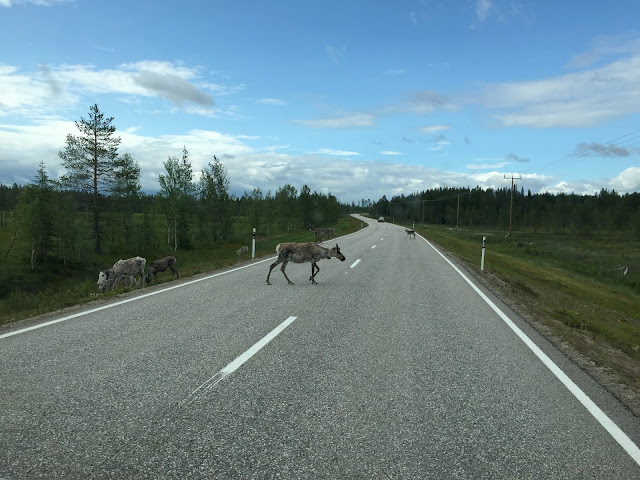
(410, 233)
(303, 253)
(124, 270)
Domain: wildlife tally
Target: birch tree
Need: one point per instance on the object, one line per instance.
(175, 189)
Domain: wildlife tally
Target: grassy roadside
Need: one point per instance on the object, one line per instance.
(582, 294)
(65, 288)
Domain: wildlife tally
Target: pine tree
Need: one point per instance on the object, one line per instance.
(90, 161)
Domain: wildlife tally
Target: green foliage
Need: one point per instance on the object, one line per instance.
(585, 215)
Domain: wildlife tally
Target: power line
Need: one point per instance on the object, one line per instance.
(578, 156)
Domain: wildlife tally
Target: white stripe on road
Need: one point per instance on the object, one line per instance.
(238, 362)
(613, 429)
(373, 247)
(355, 263)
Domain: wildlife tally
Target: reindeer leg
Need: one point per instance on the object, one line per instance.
(284, 264)
(271, 268)
(314, 264)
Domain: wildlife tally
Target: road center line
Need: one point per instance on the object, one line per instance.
(355, 263)
(238, 362)
(619, 436)
(373, 247)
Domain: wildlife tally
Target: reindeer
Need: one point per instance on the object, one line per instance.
(303, 253)
(319, 233)
(124, 270)
(330, 232)
(162, 265)
(410, 233)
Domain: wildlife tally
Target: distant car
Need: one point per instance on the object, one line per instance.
(381, 219)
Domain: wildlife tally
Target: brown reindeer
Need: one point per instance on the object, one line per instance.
(157, 266)
(319, 233)
(303, 253)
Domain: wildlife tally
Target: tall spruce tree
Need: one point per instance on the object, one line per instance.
(90, 160)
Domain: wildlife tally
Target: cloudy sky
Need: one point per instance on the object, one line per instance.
(360, 98)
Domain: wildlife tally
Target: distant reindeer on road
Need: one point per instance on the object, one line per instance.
(410, 233)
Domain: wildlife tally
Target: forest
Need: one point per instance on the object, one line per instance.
(604, 213)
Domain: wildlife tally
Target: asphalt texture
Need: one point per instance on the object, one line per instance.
(394, 367)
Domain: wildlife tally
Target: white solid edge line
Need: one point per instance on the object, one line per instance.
(602, 418)
(121, 302)
(239, 361)
(138, 297)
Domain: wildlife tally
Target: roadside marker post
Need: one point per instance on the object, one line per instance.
(253, 247)
(483, 249)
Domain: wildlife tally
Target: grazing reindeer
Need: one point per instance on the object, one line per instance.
(303, 253)
(242, 250)
(319, 233)
(162, 265)
(410, 233)
(330, 232)
(124, 270)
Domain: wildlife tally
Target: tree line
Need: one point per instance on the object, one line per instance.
(98, 207)
(604, 212)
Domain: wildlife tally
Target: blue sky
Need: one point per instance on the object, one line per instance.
(356, 98)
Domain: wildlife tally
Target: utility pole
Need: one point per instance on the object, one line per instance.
(511, 207)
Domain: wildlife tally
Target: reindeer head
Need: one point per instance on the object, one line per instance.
(335, 252)
(103, 280)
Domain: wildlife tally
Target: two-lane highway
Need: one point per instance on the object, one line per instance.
(394, 365)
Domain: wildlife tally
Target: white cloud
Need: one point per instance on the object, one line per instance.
(390, 152)
(38, 3)
(603, 46)
(431, 129)
(627, 181)
(270, 101)
(349, 120)
(482, 8)
(36, 93)
(486, 166)
(573, 100)
(336, 153)
(422, 102)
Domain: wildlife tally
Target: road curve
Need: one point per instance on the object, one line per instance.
(394, 365)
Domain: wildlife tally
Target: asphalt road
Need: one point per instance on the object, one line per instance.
(393, 366)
